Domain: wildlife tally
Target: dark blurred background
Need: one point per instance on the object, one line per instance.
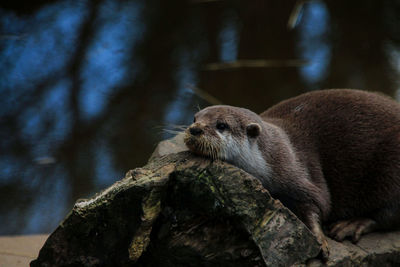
(87, 87)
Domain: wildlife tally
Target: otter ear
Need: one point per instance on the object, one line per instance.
(253, 129)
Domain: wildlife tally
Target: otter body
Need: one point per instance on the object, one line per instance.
(329, 156)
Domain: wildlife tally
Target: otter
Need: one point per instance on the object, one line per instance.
(331, 156)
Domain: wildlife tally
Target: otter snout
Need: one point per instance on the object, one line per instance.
(195, 131)
(201, 140)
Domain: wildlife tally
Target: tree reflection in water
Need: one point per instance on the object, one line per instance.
(86, 85)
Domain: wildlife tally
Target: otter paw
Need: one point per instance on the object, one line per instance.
(324, 250)
(353, 228)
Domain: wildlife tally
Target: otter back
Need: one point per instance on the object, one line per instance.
(353, 137)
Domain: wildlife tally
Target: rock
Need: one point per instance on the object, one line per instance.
(170, 146)
(375, 249)
(180, 210)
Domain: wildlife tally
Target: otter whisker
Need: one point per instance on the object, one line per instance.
(176, 126)
(202, 144)
(171, 131)
(181, 127)
(215, 154)
(217, 150)
(211, 149)
(207, 149)
(172, 128)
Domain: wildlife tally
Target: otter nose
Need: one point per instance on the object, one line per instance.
(195, 131)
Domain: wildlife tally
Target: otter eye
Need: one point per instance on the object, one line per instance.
(221, 126)
(194, 119)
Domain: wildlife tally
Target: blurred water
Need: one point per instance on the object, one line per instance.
(86, 87)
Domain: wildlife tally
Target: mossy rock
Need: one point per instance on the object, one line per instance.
(180, 210)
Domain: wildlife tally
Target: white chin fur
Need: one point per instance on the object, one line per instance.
(245, 155)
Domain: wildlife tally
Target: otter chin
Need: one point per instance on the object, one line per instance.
(331, 156)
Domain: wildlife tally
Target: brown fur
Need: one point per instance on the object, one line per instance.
(332, 155)
(349, 140)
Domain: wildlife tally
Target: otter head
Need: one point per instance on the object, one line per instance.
(224, 132)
